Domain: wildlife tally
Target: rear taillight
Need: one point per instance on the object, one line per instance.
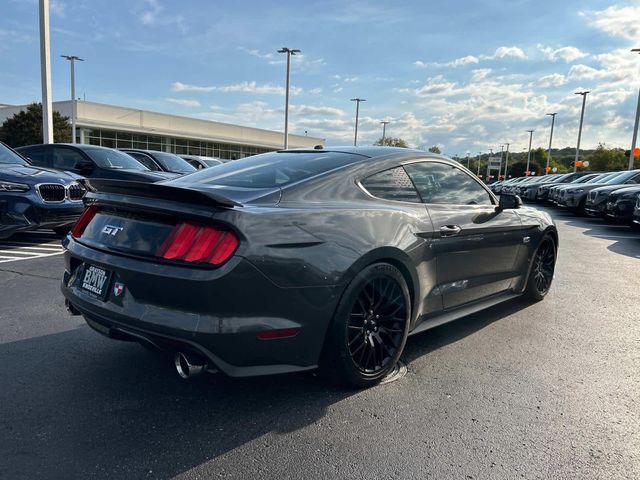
(191, 242)
(83, 221)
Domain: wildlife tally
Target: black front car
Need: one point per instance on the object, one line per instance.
(620, 204)
(33, 197)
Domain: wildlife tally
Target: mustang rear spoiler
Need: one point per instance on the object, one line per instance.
(155, 190)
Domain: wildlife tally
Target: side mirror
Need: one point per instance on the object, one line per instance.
(509, 201)
(84, 165)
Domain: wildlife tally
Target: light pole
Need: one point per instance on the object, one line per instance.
(478, 166)
(529, 154)
(289, 52)
(384, 130)
(501, 156)
(635, 125)
(72, 59)
(357, 100)
(584, 100)
(506, 161)
(468, 159)
(45, 72)
(553, 120)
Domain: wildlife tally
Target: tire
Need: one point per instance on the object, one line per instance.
(542, 268)
(369, 329)
(61, 230)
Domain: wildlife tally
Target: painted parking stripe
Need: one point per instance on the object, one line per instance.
(29, 246)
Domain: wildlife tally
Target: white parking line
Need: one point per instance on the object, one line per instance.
(29, 246)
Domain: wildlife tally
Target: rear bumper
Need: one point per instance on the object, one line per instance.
(216, 313)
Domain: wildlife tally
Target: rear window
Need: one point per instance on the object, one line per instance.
(269, 170)
(114, 159)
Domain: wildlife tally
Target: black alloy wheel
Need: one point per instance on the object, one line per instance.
(542, 269)
(370, 328)
(376, 324)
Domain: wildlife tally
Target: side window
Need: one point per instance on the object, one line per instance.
(441, 183)
(145, 160)
(38, 156)
(66, 158)
(393, 184)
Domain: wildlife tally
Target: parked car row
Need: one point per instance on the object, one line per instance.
(614, 196)
(40, 184)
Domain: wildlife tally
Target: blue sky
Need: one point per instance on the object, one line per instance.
(465, 75)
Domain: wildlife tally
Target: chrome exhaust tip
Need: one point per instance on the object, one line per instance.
(188, 365)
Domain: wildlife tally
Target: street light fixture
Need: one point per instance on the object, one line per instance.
(384, 130)
(584, 100)
(72, 59)
(553, 120)
(289, 52)
(357, 100)
(635, 124)
(529, 154)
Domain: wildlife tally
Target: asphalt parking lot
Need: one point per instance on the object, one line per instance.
(546, 390)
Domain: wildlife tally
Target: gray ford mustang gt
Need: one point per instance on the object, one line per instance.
(299, 259)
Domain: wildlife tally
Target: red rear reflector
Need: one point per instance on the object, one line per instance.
(80, 226)
(190, 242)
(276, 334)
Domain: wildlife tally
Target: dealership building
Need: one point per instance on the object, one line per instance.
(122, 127)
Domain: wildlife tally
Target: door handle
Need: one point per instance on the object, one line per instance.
(449, 230)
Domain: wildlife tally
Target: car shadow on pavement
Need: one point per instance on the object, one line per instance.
(75, 405)
(423, 343)
(626, 239)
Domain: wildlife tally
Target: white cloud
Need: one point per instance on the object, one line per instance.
(503, 52)
(552, 80)
(153, 16)
(57, 7)
(500, 52)
(185, 102)
(585, 72)
(568, 54)
(243, 87)
(616, 21)
(480, 74)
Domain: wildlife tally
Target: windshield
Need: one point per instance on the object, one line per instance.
(269, 170)
(585, 178)
(173, 163)
(604, 178)
(9, 157)
(114, 159)
(622, 177)
(212, 163)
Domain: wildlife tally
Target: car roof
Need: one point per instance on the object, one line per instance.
(367, 151)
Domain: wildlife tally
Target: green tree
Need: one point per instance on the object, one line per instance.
(518, 169)
(607, 159)
(25, 128)
(392, 142)
(435, 149)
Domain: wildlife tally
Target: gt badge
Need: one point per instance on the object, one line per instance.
(118, 288)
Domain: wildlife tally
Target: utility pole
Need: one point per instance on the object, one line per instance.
(529, 154)
(584, 100)
(289, 52)
(45, 71)
(635, 126)
(384, 129)
(357, 100)
(506, 161)
(553, 120)
(72, 59)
